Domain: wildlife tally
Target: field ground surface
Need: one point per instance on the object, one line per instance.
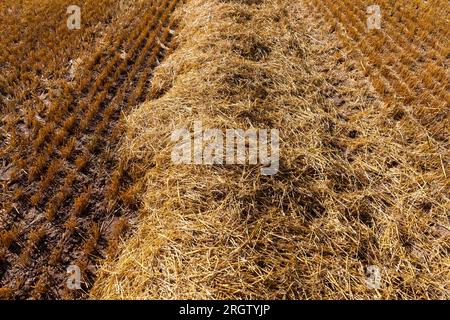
(65, 199)
(86, 176)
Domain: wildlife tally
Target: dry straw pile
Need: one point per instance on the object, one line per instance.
(358, 185)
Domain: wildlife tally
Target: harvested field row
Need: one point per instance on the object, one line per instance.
(66, 199)
(406, 60)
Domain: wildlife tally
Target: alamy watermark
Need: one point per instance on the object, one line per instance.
(373, 274)
(74, 280)
(74, 19)
(230, 146)
(374, 17)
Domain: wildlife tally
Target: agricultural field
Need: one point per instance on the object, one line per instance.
(357, 208)
(406, 59)
(65, 198)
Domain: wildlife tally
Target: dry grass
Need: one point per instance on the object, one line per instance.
(358, 185)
